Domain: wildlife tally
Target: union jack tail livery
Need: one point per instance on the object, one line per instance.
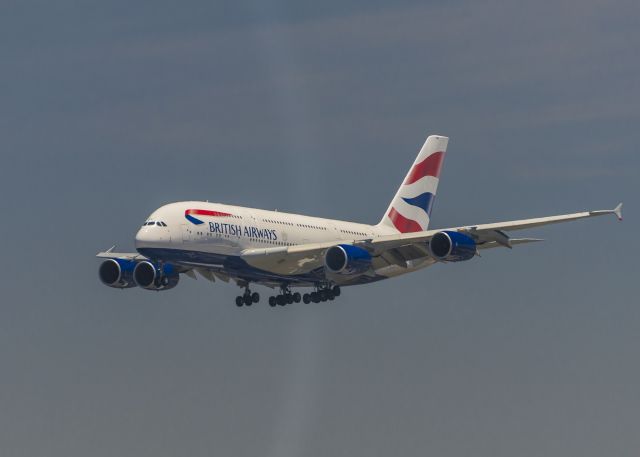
(410, 209)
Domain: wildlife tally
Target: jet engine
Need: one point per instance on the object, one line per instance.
(449, 246)
(153, 277)
(346, 259)
(117, 273)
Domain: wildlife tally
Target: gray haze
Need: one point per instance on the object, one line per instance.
(109, 109)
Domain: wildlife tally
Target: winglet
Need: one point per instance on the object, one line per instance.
(618, 211)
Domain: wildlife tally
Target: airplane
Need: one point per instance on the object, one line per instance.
(284, 251)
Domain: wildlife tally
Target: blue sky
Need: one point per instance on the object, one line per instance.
(110, 110)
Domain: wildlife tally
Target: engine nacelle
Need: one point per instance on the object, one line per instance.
(346, 259)
(449, 246)
(152, 277)
(117, 273)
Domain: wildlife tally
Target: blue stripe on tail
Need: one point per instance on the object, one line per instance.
(424, 201)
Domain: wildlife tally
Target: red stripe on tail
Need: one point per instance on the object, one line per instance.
(403, 224)
(430, 166)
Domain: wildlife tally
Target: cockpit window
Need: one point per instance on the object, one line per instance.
(158, 224)
(163, 224)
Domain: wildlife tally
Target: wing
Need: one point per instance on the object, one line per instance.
(111, 254)
(399, 248)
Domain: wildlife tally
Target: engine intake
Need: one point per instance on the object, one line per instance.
(449, 246)
(151, 277)
(117, 273)
(346, 259)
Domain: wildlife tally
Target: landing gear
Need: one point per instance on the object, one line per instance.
(285, 298)
(323, 293)
(248, 298)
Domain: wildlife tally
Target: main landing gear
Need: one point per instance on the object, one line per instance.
(248, 298)
(286, 297)
(322, 294)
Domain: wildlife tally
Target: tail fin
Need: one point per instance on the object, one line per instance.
(410, 209)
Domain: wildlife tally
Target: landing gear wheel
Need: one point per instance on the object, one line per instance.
(323, 295)
(336, 291)
(255, 297)
(239, 301)
(330, 295)
(247, 300)
(296, 297)
(272, 301)
(315, 297)
(280, 300)
(306, 299)
(289, 299)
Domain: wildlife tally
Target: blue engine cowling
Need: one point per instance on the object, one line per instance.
(346, 259)
(117, 273)
(451, 246)
(153, 277)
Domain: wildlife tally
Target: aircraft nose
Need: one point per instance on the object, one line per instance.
(144, 237)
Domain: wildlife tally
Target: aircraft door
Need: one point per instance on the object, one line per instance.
(186, 233)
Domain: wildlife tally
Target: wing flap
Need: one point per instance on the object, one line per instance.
(512, 242)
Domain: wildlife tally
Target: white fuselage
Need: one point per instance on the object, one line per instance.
(206, 233)
(244, 228)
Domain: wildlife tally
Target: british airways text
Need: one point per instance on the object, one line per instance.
(248, 232)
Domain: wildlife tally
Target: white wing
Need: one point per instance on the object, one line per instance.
(398, 249)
